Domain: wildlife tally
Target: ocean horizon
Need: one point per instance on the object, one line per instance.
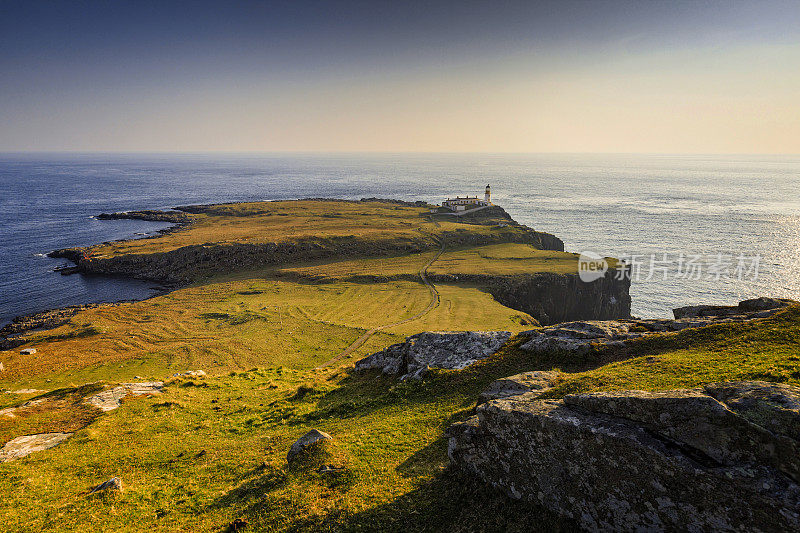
(738, 215)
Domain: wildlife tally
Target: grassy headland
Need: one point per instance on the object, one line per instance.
(208, 451)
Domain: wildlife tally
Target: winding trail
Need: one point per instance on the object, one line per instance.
(365, 337)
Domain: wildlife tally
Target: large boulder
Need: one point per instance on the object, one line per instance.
(643, 461)
(310, 439)
(448, 350)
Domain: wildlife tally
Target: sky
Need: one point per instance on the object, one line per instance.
(432, 76)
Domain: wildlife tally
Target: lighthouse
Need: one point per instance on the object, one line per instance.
(488, 197)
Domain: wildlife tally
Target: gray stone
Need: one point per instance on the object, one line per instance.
(305, 441)
(745, 306)
(111, 399)
(27, 444)
(190, 374)
(774, 406)
(27, 351)
(641, 461)
(447, 350)
(528, 383)
(578, 337)
(112, 485)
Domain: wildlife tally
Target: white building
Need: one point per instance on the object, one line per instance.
(461, 204)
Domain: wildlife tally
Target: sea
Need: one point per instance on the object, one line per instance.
(694, 228)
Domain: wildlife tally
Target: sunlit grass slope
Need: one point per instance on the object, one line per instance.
(234, 325)
(492, 260)
(209, 451)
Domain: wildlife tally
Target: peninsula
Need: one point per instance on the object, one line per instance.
(358, 336)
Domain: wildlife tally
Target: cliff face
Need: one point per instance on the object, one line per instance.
(191, 262)
(553, 298)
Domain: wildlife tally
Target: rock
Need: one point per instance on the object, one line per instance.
(2, 368)
(774, 406)
(27, 444)
(448, 350)
(312, 437)
(578, 337)
(190, 374)
(526, 383)
(109, 400)
(764, 303)
(581, 337)
(745, 306)
(112, 485)
(237, 525)
(28, 351)
(644, 461)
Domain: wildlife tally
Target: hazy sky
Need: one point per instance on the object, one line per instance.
(707, 77)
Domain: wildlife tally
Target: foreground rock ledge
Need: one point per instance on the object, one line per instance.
(721, 458)
(453, 350)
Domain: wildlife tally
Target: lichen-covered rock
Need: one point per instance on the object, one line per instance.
(774, 406)
(111, 399)
(527, 383)
(309, 439)
(579, 337)
(27, 444)
(448, 350)
(641, 461)
(112, 485)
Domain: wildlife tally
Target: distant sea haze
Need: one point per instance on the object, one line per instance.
(699, 229)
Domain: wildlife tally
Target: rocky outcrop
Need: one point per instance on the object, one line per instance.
(448, 350)
(175, 217)
(529, 384)
(27, 444)
(111, 399)
(581, 337)
(753, 308)
(10, 334)
(719, 458)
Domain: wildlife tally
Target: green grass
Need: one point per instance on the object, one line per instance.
(208, 451)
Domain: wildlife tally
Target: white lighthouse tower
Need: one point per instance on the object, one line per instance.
(488, 197)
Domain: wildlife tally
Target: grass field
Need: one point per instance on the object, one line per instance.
(492, 260)
(214, 450)
(208, 451)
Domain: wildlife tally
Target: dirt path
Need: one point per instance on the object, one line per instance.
(365, 337)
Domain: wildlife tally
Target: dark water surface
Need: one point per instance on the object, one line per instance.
(736, 207)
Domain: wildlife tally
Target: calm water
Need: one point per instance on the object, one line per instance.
(612, 204)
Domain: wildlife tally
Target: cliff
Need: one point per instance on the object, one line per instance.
(240, 233)
(552, 298)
